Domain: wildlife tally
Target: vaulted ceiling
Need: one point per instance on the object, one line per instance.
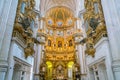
(47, 4)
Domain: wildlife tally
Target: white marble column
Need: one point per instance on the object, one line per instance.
(41, 24)
(37, 60)
(6, 27)
(42, 53)
(10, 63)
(2, 73)
(1, 7)
(82, 59)
(78, 22)
(113, 29)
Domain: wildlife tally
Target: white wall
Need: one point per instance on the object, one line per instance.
(102, 53)
(117, 3)
(7, 17)
(1, 6)
(37, 5)
(18, 52)
(112, 20)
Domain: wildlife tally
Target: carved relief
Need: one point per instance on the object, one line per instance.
(90, 47)
(96, 24)
(22, 29)
(29, 49)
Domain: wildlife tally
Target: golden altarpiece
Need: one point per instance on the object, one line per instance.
(59, 29)
(60, 52)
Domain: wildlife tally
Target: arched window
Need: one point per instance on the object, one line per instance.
(70, 69)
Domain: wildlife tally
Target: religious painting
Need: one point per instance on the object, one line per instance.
(70, 43)
(59, 44)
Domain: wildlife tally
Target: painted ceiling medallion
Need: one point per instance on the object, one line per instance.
(59, 17)
(50, 22)
(59, 23)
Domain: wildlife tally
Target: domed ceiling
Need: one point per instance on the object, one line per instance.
(45, 5)
(59, 18)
